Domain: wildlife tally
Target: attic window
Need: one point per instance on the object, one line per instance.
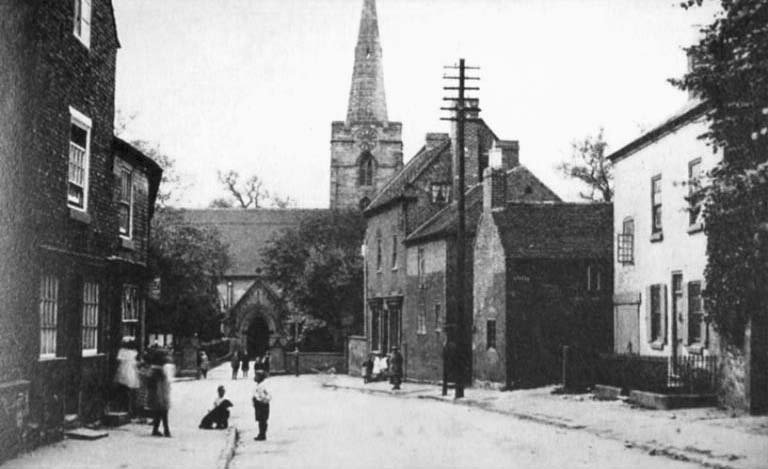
(440, 192)
(368, 53)
(528, 190)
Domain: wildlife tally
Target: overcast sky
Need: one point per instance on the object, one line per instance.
(253, 85)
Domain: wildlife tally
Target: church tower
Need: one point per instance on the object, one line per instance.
(366, 149)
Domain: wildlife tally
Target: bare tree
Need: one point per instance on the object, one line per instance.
(589, 164)
(280, 201)
(249, 193)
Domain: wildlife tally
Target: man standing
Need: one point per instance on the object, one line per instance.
(396, 368)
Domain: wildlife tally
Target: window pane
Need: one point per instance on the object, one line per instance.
(78, 135)
(125, 218)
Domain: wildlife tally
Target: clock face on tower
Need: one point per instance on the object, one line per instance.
(366, 138)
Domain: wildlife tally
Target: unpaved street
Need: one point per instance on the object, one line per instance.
(312, 426)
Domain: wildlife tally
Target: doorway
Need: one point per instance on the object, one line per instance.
(257, 337)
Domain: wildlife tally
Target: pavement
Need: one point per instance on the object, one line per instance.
(706, 436)
(131, 446)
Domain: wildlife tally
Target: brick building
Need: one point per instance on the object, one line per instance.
(366, 148)
(542, 279)
(75, 204)
(431, 276)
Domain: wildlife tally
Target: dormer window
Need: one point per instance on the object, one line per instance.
(365, 171)
(82, 19)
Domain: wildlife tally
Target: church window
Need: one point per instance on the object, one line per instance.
(365, 174)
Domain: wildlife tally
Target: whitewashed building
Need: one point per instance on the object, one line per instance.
(660, 253)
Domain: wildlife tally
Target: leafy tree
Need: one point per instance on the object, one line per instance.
(590, 165)
(279, 201)
(319, 269)
(730, 74)
(190, 262)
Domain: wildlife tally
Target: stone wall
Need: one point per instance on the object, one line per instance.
(14, 412)
(315, 362)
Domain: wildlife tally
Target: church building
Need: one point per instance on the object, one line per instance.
(366, 148)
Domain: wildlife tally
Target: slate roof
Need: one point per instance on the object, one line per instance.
(689, 112)
(397, 186)
(556, 230)
(445, 221)
(247, 231)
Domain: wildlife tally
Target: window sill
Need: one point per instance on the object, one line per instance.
(696, 228)
(657, 236)
(92, 354)
(394, 269)
(695, 349)
(51, 358)
(79, 215)
(127, 243)
(657, 345)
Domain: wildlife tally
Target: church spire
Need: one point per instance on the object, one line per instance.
(366, 96)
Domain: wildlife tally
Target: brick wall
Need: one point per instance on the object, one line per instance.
(423, 349)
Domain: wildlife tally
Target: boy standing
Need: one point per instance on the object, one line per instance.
(261, 398)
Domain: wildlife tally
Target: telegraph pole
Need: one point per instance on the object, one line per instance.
(458, 332)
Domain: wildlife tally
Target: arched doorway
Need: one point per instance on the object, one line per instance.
(257, 336)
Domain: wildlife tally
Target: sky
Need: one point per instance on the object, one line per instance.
(253, 85)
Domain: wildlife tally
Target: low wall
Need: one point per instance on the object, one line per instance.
(315, 362)
(357, 349)
(14, 412)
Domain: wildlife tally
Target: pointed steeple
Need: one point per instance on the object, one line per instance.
(366, 96)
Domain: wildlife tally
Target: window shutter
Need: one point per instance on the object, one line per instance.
(664, 303)
(705, 332)
(682, 323)
(648, 313)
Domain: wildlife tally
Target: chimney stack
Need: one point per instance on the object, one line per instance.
(494, 189)
(509, 153)
(434, 139)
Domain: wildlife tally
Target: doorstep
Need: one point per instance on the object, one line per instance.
(661, 401)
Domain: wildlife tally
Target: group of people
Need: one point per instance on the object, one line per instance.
(241, 361)
(218, 416)
(381, 366)
(144, 382)
(156, 369)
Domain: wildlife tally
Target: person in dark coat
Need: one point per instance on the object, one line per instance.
(159, 392)
(396, 368)
(244, 363)
(368, 369)
(234, 358)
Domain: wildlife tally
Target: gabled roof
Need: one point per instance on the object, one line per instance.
(444, 222)
(396, 187)
(689, 112)
(556, 230)
(247, 231)
(137, 158)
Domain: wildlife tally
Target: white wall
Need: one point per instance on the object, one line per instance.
(654, 262)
